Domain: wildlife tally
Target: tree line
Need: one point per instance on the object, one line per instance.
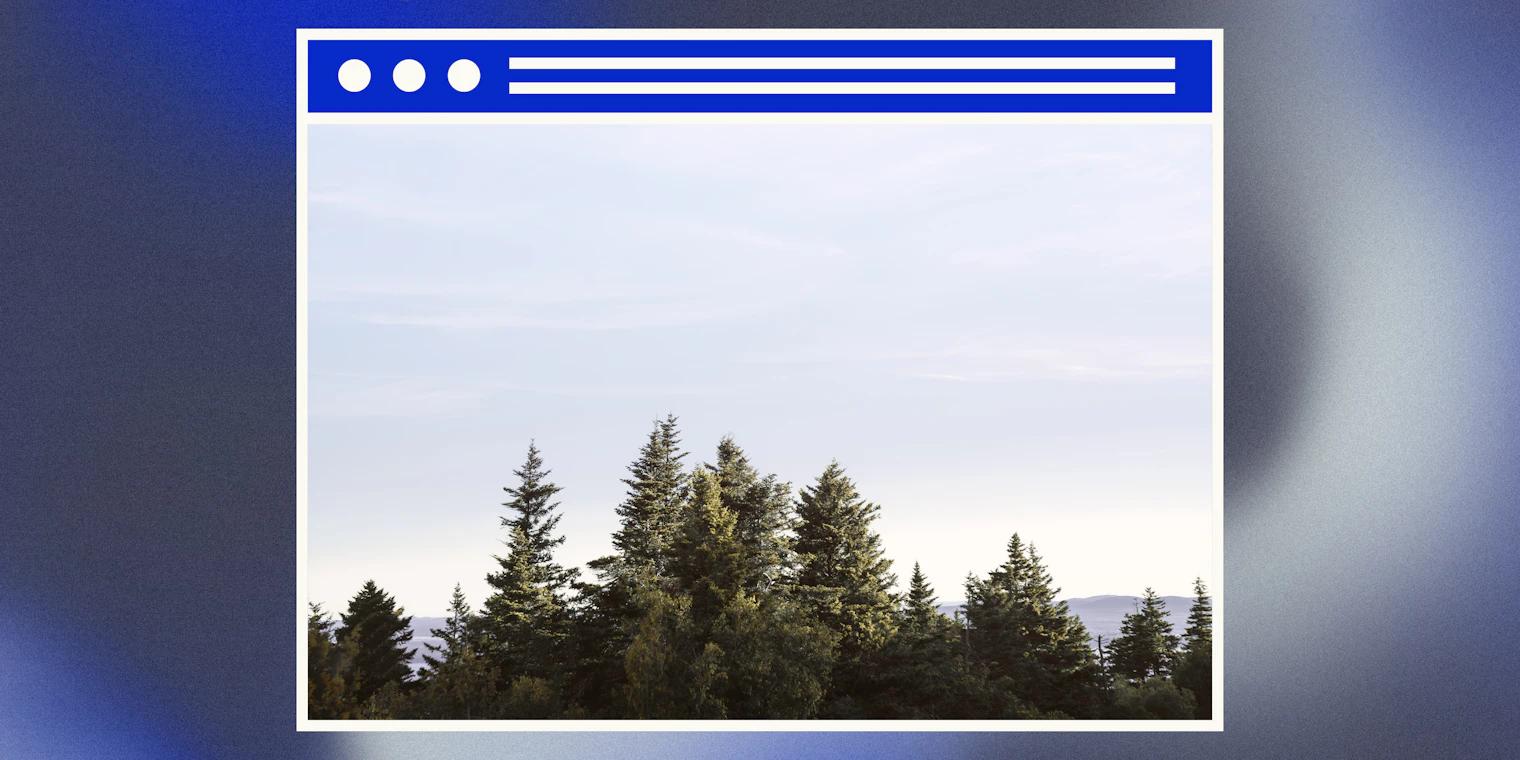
(727, 596)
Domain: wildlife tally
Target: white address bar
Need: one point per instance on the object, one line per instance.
(842, 88)
(719, 63)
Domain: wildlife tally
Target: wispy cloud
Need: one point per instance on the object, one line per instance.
(590, 316)
(349, 395)
(1001, 362)
(406, 397)
(395, 203)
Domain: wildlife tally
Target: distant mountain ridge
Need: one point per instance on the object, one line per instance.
(1101, 614)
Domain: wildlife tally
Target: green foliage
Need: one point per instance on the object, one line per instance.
(329, 693)
(706, 681)
(603, 625)
(843, 573)
(525, 617)
(759, 658)
(776, 657)
(845, 578)
(1194, 670)
(657, 662)
(919, 614)
(762, 517)
(725, 599)
(373, 638)
(459, 681)
(651, 510)
(1154, 699)
(388, 702)
(1195, 673)
(1145, 647)
(707, 648)
(610, 611)
(1200, 624)
(924, 671)
(1032, 646)
(460, 630)
(526, 621)
(530, 697)
(533, 510)
(708, 562)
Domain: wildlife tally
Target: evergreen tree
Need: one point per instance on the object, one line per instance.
(758, 655)
(328, 692)
(1145, 647)
(707, 561)
(377, 632)
(658, 659)
(1073, 679)
(651, 510)
(458, 682)
(707, 647)
(708, 608)
(1105, 667)
(761, 508)
(923, 672)
(775, 657)
(526, 621)
(458, 632)
(525, 615)
(610, 612)
(604, 621)
(1195, 667)
(919, 612)
(1032, 646)
(1200, 623)
(844, 575)
(532, 508)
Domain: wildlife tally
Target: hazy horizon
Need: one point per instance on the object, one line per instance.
(994, 328)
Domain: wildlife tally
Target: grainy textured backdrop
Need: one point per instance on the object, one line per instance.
(147, 354)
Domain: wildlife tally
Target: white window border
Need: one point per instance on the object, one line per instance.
(1215, 119)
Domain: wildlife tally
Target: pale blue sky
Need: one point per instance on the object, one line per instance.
(993, 327)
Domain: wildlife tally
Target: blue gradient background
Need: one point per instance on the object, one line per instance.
(147, 344)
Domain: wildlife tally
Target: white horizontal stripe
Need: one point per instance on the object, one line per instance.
(841, 63)
(842, 88)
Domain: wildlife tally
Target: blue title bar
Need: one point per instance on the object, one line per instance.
(760, 76)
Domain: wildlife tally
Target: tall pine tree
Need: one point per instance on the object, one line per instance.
(1200, 623)
(532, 508)
(844, 576)
(762, 514)
(1195, 666)
(919, 612)
(675, 669)
(375, 633)
(651, 509)
(459, 630)
(458, 681)
(610, 611)
(1146, 646)
(707, 561)
(526, 615)
(1032, 646)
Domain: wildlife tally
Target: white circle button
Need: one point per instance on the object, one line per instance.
(353, 75)
(464, 75)
(408, 75)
